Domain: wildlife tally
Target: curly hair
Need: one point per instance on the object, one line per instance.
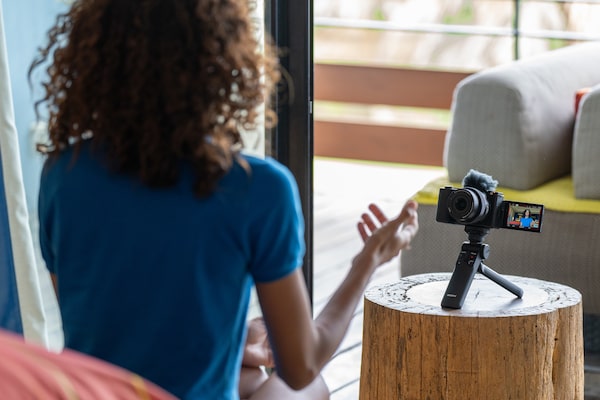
(156, 83)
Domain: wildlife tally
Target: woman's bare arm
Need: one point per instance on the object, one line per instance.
(301, 346)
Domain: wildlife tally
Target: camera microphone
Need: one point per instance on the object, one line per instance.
(479, 180)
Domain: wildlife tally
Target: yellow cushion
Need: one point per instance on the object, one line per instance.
(555, 195)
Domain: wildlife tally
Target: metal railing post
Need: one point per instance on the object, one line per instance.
(516, 28)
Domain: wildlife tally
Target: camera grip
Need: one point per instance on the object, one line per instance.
(466, 267)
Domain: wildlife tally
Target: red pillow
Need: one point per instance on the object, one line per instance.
(29, 371)
(578, 96)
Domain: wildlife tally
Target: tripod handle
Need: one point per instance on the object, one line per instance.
(500, 280)
(465, 269)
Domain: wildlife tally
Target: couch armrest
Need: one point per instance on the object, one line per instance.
(586, 142)
(515, 121)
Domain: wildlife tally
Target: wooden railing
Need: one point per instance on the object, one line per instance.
(370, 85)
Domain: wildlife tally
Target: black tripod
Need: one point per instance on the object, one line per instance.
(468, 264)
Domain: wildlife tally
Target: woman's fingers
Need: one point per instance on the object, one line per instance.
(368, 221)
(362, 231)
(374, 208)
(408, 217)
(384, 239)
(367, 226)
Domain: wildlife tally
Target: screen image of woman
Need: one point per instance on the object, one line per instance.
(526, 220)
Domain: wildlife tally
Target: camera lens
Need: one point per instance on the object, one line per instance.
(468, 206)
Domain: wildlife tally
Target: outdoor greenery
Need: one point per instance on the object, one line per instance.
(464, 16)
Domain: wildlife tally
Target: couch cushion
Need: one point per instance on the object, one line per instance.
(555, 195)
(586, 142)
(515, 121)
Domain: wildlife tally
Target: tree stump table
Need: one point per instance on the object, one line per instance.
(496, 346)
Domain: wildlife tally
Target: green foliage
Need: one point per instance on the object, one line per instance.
(378, 14)
(464, 16)
(555, 44)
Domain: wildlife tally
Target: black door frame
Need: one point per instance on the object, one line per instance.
(290, 24)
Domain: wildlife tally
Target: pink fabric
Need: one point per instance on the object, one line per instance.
(29, 371)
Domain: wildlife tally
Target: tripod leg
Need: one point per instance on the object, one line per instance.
(500, 280)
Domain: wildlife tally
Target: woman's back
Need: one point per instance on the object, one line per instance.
(157, 280)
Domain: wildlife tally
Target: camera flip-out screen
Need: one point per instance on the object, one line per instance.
(524, 216)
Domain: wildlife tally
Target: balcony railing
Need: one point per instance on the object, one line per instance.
(368, 85)
(351, 133)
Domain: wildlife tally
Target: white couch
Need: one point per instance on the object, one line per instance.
(517, 123)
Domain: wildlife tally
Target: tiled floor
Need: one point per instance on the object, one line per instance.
(342, 191)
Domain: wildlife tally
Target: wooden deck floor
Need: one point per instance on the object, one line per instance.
(342, 192)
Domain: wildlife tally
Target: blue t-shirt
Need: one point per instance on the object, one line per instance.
(157, 280)
(526, 222)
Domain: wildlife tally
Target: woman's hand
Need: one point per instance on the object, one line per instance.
(257, 350)
(383, 239)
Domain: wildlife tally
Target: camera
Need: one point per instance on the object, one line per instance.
(479, 207)
(470, 206)
(486, 209)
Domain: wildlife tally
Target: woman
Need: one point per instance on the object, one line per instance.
(152, 223)
(526, 220)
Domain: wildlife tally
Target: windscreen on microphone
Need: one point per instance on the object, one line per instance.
(479, 180)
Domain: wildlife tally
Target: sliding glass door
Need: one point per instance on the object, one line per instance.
(290, 23)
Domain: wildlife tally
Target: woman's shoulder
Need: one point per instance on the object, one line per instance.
(266, 175)
(265, 167)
